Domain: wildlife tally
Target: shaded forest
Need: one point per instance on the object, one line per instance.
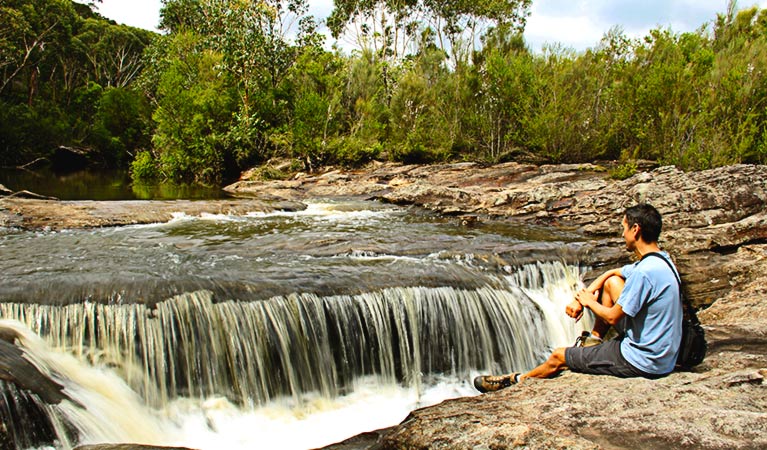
(230, 84)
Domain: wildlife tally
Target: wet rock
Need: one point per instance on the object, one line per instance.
(708, 215)
(715, 227)
(24, 421)
(55, 215)
(25, 393)
(17, 369)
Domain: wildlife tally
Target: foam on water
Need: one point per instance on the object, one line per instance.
(316, 422)
(330, 212)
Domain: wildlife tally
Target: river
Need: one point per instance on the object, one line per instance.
(280, 330)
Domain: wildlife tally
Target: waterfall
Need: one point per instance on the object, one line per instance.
(99, 407)
(297, 346)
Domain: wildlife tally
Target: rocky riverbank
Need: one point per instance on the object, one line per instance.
(715, 226)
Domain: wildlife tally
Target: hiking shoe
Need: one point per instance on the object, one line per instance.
(586, 339)
(490, 383)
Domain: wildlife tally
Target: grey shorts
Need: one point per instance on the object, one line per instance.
(603, 359)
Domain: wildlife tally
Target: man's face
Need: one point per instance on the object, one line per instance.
(630, 234)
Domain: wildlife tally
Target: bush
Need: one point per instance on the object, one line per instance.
(417, 153)
(354, 152)
(144, 168)
(120, 125)
(624, 171)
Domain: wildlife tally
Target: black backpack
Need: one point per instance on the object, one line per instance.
(693, 347)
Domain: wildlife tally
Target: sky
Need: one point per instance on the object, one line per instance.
(576, 24)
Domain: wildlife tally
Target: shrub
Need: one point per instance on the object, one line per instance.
(354, 152)
(143, 167)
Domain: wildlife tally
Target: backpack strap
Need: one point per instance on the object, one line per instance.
(676, 275)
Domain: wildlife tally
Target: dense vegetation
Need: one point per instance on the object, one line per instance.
(67, 77)
(234, 83)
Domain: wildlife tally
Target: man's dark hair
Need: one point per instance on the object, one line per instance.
(649, 221)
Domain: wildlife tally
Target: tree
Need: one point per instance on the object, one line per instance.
(400, 21)
(121, 125)
(28, 44)
(315, 84)
(504, 84)
(195, 109)
(114, 53)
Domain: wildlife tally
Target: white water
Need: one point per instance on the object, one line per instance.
(319, 421)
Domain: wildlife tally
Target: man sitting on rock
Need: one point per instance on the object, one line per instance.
(641, 300)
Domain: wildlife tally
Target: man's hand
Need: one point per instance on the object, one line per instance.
(586, 297)
(574, 310)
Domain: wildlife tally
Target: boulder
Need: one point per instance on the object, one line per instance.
(714, 226)
(70, 159)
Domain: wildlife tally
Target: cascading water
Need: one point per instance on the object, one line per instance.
(366, 325)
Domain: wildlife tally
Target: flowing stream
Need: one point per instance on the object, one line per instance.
(281, 330)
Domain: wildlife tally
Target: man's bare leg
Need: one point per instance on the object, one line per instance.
(611, 290)
(551, 367)
(556, 363)
(609, 295)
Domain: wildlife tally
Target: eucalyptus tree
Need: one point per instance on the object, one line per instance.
(314, 132)
(31, 34)
(504, 82)
(251, 44)
(427, 107)
(194, 111)
(396, 24)
(114, 53)
(580, 102)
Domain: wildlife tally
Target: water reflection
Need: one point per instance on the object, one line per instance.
(100, 185)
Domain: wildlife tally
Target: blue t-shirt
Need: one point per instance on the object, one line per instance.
(653, 321)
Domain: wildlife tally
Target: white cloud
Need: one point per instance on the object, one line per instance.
(580, 24)
(577, 32)
(136, 13)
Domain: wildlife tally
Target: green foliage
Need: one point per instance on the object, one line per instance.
(121, 125)
(231, 84)
(504, 83)
(623, 171)
(627, 167)
(57, 58)
(27, 133)
(196, 106)
(354, 152)
(144, 167)
(315, 85)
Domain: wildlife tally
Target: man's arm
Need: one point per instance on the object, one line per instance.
(575, 308)
(611, 315)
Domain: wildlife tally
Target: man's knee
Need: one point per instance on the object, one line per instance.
(613, 287)
(557, 359)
